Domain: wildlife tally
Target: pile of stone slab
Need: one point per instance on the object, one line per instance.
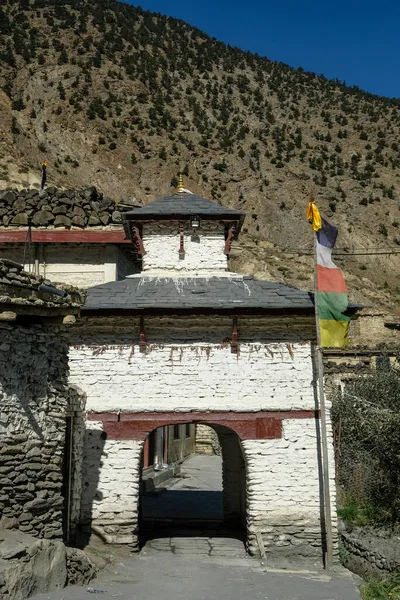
(17, 287)
(30, 566)
(58, 208)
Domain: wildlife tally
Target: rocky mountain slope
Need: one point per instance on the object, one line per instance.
(124, 99)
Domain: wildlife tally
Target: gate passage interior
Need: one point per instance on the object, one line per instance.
(201, 494)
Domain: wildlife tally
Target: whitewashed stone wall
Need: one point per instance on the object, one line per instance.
(182, 376)
(283, 491)
(188, 366)
(233, 478)
(204, 248)
(111, 477)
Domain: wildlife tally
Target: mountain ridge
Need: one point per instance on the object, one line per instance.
(124, 99)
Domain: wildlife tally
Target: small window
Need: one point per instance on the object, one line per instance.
(177, 432)
(187, 430)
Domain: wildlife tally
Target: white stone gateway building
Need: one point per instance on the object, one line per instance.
(186, 342)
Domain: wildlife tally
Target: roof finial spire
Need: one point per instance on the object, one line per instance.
(180, 189)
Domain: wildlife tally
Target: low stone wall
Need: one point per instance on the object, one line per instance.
(207, 440)
(364, 551)
(25, 292)
(58, 208)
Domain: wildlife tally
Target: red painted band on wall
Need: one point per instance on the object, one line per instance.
(248, 426)
(65, 236)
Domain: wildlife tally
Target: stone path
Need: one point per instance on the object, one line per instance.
(195, 494)
(156, 576)
(196, 545)
(204, 567)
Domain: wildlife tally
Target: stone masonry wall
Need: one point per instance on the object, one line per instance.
(180, 372)
(283, 491)
(111, 476)
(57, 208)
(204, 248)
(188, 367)
(34, 398)
(207, 440)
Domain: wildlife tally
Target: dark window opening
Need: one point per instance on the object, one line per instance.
(177, 432)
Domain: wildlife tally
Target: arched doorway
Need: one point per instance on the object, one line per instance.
(183, 492)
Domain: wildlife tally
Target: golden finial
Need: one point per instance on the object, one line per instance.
(180, 189)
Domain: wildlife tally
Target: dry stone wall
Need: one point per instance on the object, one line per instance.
(21, 289)
(58, 208)
(207, 440)
(35, 397)
(369, 551)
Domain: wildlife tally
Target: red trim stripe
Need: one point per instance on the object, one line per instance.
(64, 236)
(330, 280)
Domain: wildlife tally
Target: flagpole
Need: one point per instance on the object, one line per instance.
(324, 436)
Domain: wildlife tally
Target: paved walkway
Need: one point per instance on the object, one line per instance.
(150, 576)
(196, 497)
(203, 567)
(195, 494)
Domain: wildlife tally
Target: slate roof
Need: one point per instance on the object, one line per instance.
(183, 204)
(240, 293)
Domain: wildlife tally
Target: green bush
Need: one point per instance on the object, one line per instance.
(366, 421)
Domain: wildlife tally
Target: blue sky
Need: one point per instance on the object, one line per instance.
(357, 41)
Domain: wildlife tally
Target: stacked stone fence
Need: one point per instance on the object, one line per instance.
(368, 552)
(207, 441)
(59, 208)
(35, 403)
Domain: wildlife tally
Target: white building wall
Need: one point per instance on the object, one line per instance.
(110, 478)
(186, 376)
(284, 487)
(204, 248)
(181, 372)
(81, 265)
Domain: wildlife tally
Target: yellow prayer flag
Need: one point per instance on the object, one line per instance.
(313, 215)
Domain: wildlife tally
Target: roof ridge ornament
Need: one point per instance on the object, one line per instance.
(180, 188)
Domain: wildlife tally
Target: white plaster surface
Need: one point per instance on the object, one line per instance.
(204, 249)
(284, 485)
(82, 265)
(110, 480)
(185, 368)
(195, 376)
